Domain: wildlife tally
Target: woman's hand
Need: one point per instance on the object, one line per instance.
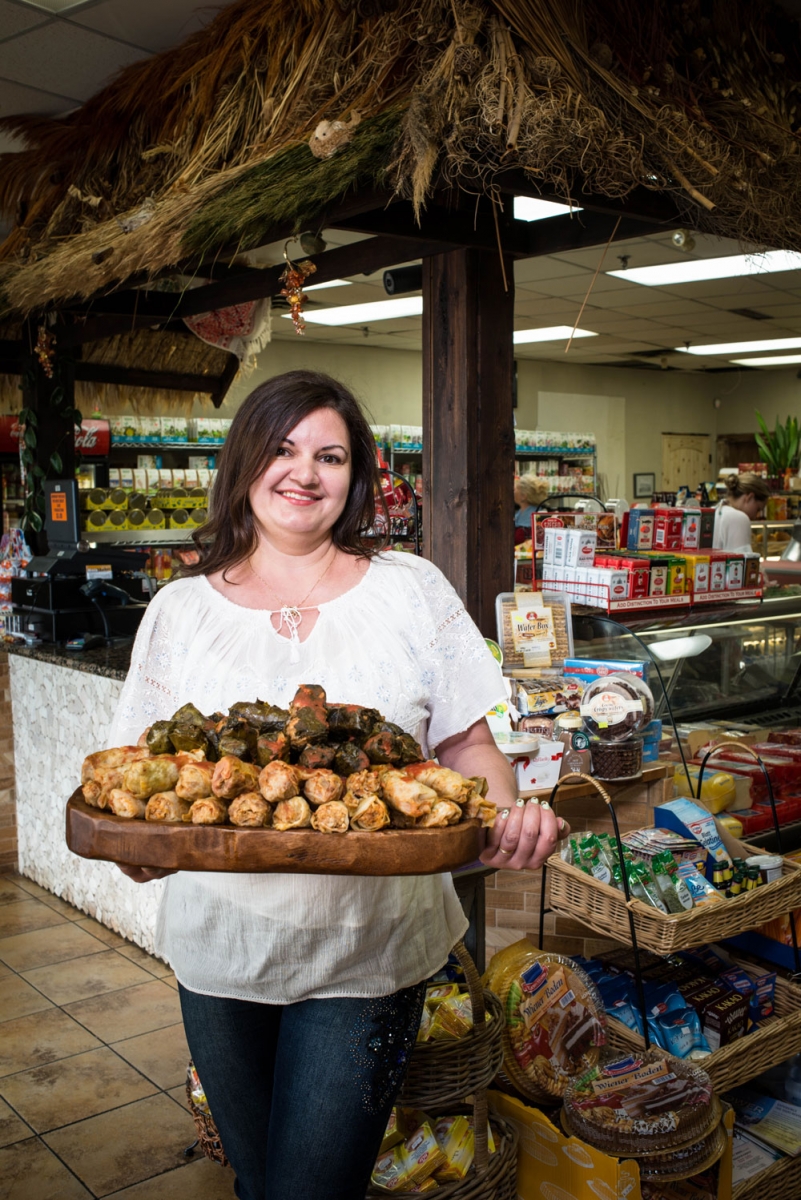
(523, 836)
(144, 874)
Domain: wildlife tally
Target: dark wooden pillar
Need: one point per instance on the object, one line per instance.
(468, 432)
(51, 400)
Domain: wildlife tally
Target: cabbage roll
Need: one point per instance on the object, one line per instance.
(166, 806)
(443, 812)
(317, 758)
(351, 801)
(278, 781)
(233, 776)
(322, 787)
(194, 781)
(479, 808)
(107, 778)
(119, 756)
(157, 738)
(364, 783)
(348, 721)
(91, 793)
(208, 811)
(270, 746)
(372, 814)
(292, 814)
(143, 779)
(406, 795)
(384, 747)
(250, 809)
(123, 804)
(331, 817)
(448, 784)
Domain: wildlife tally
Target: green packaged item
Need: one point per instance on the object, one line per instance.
(642, 887)
(664, 886)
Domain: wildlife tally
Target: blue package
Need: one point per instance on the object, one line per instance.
(663, 998)
(613, 989)
(652, 736)
(681, 1032)
(590, 669)
(622, 1011)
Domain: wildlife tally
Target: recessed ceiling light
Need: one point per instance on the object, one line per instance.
(54, 6)
(554, 333)
(712, 268)
(779, 360)
(360, 314)
(792, 343)
(318, 287)
(526, 208)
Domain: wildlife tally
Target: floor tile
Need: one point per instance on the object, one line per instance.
(123, 1147)
(130, 1012)
(101, 931)
(136, 954)
(10, 892)
(200, 1180)
(80, 978)
(12, 1129)
(161, 1055)
(179, 1095)
(18, 998)
(41, 1038)
(62, 907)
(78, 1087)
(29, 1171)
(25, 916)
(171, 981)
(43, 946)
(29, 886)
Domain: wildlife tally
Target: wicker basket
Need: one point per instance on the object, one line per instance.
(780, 1181)
(778, 1038)
(497, 1181)
(444, 1071)
(207, 1134)
(604, 909)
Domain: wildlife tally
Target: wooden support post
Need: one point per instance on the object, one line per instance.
(49, 397)
(468, 431)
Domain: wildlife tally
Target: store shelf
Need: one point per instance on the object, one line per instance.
(135, 537)
(201, 447)
(553, 453)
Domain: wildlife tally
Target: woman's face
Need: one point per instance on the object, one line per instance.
(303, 491)
(752, 506)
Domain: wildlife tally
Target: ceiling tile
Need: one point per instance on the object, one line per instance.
(15, 19)
(151, 24)
(15, 98)
(535, 270)
(62, 58)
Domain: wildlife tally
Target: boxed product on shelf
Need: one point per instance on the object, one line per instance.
(124, 429)
(150, 429)
(174, 429)
(207, 429)
(139, 479)
(540, 769)
(750, 1156)
(604, 525)
(127, 478)
(773, 1122)
(590, 669)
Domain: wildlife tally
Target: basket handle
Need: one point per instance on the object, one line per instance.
(574, 777)
(480, 1097)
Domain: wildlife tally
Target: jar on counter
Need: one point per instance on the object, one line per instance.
(569, 730)
(616, 762)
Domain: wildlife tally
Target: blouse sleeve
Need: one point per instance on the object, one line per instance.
(149, 691)
(464, 679)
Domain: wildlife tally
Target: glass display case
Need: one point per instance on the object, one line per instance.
(739, 662)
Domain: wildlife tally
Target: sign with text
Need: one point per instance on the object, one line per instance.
(93, 438)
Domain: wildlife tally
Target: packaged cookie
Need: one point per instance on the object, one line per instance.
(641, 1105)
(555, 1023)
(616, 706)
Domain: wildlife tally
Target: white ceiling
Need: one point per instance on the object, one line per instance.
(55, 54)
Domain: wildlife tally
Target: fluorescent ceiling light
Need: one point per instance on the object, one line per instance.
(779, 360)
(318, 287)
(792, 343)
(360, 314)
(525, 208)
(695, 270)
(554, 333)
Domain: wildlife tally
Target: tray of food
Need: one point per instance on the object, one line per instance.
(254, 789)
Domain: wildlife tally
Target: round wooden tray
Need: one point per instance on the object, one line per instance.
(95, 833)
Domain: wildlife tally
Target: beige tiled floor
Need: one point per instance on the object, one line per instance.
(92, 1062)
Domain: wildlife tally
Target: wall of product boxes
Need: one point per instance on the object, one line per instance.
(668, 561)
(165, 431)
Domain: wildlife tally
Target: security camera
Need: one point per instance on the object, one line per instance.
(682, 239)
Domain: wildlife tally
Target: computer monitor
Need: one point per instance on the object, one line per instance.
(62, 520)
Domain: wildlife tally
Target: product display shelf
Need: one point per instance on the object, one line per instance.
(780, 1181)
(135, 537)
(200, 447)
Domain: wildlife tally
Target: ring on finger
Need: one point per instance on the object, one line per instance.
(508, 853)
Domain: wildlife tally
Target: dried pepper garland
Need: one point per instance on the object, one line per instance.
(293, 277)
(45, 349)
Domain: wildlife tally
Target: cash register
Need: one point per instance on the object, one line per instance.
(76, 589)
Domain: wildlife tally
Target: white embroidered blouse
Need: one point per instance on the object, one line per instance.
(399, 641)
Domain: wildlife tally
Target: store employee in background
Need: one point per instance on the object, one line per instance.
(530, 491)
(744, 502)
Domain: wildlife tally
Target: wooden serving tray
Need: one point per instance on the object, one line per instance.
(95, 833)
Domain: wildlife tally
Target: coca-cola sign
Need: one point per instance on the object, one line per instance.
(93, 438)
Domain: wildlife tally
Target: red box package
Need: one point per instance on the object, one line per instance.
(753, 820)
(786, 737)
(639, 569)
(787, 810)
(668, 527)
(774, 750)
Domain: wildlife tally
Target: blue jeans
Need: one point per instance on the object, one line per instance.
(301, 1093)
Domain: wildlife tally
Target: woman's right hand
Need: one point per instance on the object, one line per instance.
(144, 874)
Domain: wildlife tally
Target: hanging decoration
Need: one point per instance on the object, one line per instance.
(293, 277)
(44, 349)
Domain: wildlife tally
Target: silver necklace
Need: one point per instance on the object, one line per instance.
(291, 614)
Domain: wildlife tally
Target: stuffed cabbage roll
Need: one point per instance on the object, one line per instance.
(271, 746)
(406, 795)
(448, 784)
(351, 721)
(371, 815)
(119, 756)
(150, 775)
(250, 809)
(384, 747)
(232, 776)
(351, 801)
(278, 781)
(332, 817)
(194, 780)
(158, 740)
(322, 787)
(166, 807)
(91, 793)
(208, 811)
(364, 783)
(123, 804)
(443, 812)
(479, 808)
(107, 778)
(292, 814)
(188, 712)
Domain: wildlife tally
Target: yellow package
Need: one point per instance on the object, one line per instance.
(453, 1019)
(425, 1024)
(457, 1142)
(392, 1134)
(718, 791)
(422, 1155)
(441, 991)
(734, 826)
(389, 1172)
(428, 1185)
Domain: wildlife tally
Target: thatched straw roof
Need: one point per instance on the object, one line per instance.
(204, 149)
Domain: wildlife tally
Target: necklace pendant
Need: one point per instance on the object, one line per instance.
(291, 616)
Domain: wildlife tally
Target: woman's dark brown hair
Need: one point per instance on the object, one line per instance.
(265, 419)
